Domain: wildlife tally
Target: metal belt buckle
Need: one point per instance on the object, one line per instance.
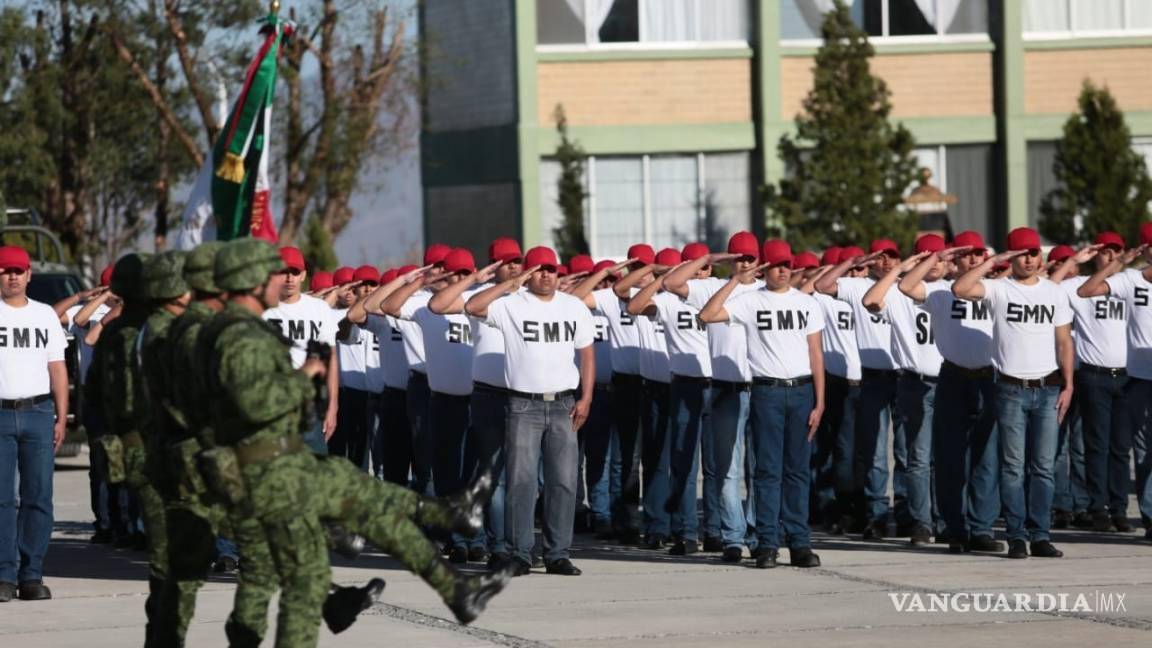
(548, 397)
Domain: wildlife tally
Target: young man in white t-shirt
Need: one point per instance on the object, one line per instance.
(727, 518)
(1101, 326)
(361, 377)
(783, 328)
(596, 435)
(965, 442)
(1033, 354)
(1134, 287)
(33, 413)
(543, 330)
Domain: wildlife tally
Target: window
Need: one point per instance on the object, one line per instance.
(613, 22)
(664, 200)
(966, 172)
(1065, 18)
(801, 19)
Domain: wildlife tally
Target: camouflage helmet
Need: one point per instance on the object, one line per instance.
(200, 266)
(245, 263)
(163, 276)
(126, 276)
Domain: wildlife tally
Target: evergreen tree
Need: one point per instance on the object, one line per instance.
(317, 246)
(1103, 183)
(569, 236)
(848, 167)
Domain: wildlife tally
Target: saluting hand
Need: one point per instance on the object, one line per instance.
(485, 274)
(913, 261)
(1005, 257)
(951, 253)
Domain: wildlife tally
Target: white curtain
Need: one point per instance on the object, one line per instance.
(723, 20)
(1046, 15)
(669, 20)
(727, 196)
(619, 205)
(963, 16)
(1098, 15)
(672, 184)
(598, 11)
(1140, 14)
(812, 11)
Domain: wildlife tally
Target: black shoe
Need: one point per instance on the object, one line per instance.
(472, 593)
(458, 555)
(921, 535)
(712, 544)
(876, 531)
(139, 542)
(468, 505)
(1082, 520)
(224, 565)
(344, 604)
(603, 531)
(1017, 549)
(1061, 519)
(852, 525)
(985, 543)
(123, 541)
(732, 554)
(537, 561)
(102, 536)
(941, 537)
(581, 523)
(833, 527)
(655, 542)
(1121, 523)
(563, 567)
(34, 591)
(344, 542)
(628, 536)
(803, 557)
(905, 530)
(498, 559)
(1148, 534)
(516, 567)
(7, 591)
(1045, 549)
(957, 547)
(767, 558)
(1102, 523)
(684, 548)
(477, 555)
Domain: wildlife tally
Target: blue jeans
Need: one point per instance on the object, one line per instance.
(782, 451)
(26, 445)
(1139, 396)
(626, 404)
(225, 548)
(392, 449)
(1071, 489)
(486, 445)
(595, 438)
(967, 454)
(422, 451)
(917, 398)
(832, 451)
(655, 457)
(878, 408)
(688, 406)
(1028, 431)
(538, 428)
(1107, 441)
(729, 418)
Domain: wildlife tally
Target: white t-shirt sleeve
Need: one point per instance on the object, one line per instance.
(1120, 285)
(499, 318)
(57, 342)
(741, 309)
(816, 321)
(377, 325)
(851, 289)
(994, 291)
(700, 291)
(409, 307)
(585, 327)
(1064, 312)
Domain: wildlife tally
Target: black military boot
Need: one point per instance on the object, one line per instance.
(344, 542)
(344, 604)
(472, 593)
(467, 507)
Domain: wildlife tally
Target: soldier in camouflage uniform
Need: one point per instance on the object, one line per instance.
(115, 383)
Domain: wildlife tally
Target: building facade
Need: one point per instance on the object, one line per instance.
(679, 105)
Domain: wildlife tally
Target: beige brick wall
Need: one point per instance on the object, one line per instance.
(949, 84)
(647, 92)
(1052, 79)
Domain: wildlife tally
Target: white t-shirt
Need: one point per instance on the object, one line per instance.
(412, 333)
(873, 330)
(80, 332)
(913, 340)
(393, 361)
(487, 349)
(1131, 287)
(654, 363)
(540, 338)
(622, 332)
(841, 355)
(363, 349)
(777, 326)
(686, 336)
(963, 328)
(30, 338)
(307, 319)
(1101, 326)
(447, 347)
(727, 344)
(1024, 321)
(352, 359)
(603, 349)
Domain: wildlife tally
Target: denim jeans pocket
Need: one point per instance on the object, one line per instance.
(518, 405)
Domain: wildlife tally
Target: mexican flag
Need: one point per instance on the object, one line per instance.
(231, 197)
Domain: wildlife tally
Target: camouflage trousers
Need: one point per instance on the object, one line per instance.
(152, 513)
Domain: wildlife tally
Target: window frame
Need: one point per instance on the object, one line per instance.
(940, 37)
(641, 45)
(1073, 33)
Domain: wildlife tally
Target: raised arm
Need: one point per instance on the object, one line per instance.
(583, 290)
(370, 305)
(642, 304)
(1097, 284)
(827, 283)
(84, 315)
(1083, 255)
(912, 284)
(970, 285)
(414, 281)
(450, 300)
(623, 288)
(714, 310)
(478, 305)
(809, 285)
(676, 281)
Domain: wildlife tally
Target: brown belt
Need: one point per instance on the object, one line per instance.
(267, 449)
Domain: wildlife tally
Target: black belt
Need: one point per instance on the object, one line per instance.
(417, 375)
(841, 379)
(626, 379)
(1051, 380)
(695, 380)
(547, 397)
(904, 373)
(982, 373)
(489, 389)
(782, 382)
(1115, 372)
(728, 385)
(24, 403)
(878, 373)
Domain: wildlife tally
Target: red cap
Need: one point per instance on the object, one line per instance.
(1110, 239)
(367, 273)
(541, 256)
(887, 246)
(562, 270)
(643, 253)
(504, 249)
(1023, 238)
(12, 257)
(930, 243)
(106, 276)
(1001, 267)
(459, 260)
(850, 252)
(1060, 252)
(343, 275)
(606, 263)
(744, 244)
(668, 257)
(581, 263)
(805, 260)
(320, 280)
(293, 258)
(1146, 234)
(831, 256)
(405, 269)
(694, 251)
(970, 239)
(776, 252)
(436, 253)
(389, 276)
